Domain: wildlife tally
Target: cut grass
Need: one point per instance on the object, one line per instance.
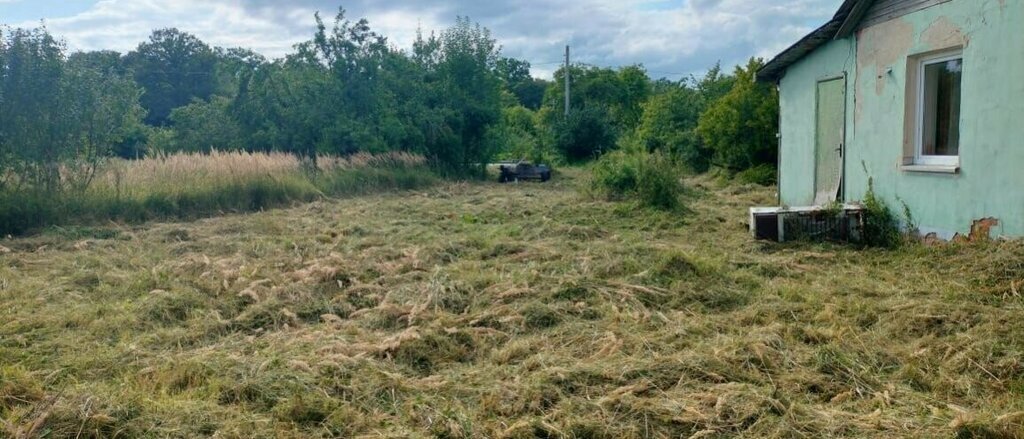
(518, 311)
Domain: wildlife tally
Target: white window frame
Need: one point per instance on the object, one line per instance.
(919, 157)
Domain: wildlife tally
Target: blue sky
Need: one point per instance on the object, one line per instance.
(14, 11)
(671, 38)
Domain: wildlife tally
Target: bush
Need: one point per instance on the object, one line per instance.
(740, 128)
(616, 175)
(659, 185)
(587, 133)
(881, 227)
(649, 178)
(763, 175)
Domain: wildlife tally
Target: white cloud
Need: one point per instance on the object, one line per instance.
(670, 37)
(122, 24)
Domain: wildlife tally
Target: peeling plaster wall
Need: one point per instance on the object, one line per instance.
(798, 99)
(991, 179)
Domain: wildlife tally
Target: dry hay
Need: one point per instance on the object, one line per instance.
(477, 310)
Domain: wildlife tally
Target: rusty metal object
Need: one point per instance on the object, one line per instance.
(523, 170)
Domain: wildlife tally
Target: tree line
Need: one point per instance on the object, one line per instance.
(453, 98)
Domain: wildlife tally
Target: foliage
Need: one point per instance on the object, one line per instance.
(197, 185)
(467, 91)
(617, 175)
(881, 226)
(620, 93)
(585, 134)
(740, 128)
(518, 137)
(764, 175)
(669, 124)
(205, 127)
(670, 117)
(515, 74)
(452, 98)
(650, 178)
(54, 111)
(174, 68)
(660, 183)
(347, 90)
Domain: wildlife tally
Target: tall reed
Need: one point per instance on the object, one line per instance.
(190, 185)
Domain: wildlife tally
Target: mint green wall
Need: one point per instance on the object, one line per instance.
(797, 97)
(991, 179)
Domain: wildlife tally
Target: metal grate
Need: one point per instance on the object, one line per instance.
(843, 226)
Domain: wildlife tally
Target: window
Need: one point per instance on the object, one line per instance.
(938, 110)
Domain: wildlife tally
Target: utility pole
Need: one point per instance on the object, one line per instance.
(568, 79)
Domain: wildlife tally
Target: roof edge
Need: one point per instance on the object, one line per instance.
(840, 26)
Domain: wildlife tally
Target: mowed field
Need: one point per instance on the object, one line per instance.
(484, 311)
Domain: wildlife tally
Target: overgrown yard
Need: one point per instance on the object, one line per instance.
(479, 310)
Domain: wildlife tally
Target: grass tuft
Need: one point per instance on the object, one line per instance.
(484, 310)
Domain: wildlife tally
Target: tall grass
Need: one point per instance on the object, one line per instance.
(196, 185)
(649, 179)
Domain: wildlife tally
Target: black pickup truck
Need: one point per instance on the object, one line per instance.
(523, 170)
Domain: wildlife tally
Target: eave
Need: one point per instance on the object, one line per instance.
(840, 26)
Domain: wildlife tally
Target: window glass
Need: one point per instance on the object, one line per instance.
(941, 124)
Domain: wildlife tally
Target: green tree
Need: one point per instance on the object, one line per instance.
(671, 115)
(174, 68)
(206, 127)
(102, 111)
(714, 85)
(31, 129)
(669, 124)
(284, 107)
(529, 91)
(54, 110)
(621, 93)
(636, 90)
(741, 127)
(585, 134)
(460, 69)
(232, 67)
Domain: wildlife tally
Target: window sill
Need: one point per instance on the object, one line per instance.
(932, 169)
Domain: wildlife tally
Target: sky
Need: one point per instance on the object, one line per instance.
(671, 38)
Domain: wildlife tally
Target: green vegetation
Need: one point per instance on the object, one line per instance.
(649, 178)
(740, 128)
(452, 98)
(193, 186)
(452, 310)
(670, 118)
(479, 310)
(881, 226)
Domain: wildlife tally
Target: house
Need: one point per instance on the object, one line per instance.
(924, 98)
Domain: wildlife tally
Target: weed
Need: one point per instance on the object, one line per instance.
(651, 178)
(881, 227)
(553, 315)
(763, 175)
(197, 185)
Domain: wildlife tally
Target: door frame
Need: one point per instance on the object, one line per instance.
(841, 196)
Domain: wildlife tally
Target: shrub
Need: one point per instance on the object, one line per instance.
(616, 175)
(658, 184)
(740, 128)
(649, 178)
(881, 227)
(763, 175)
(585, 134)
